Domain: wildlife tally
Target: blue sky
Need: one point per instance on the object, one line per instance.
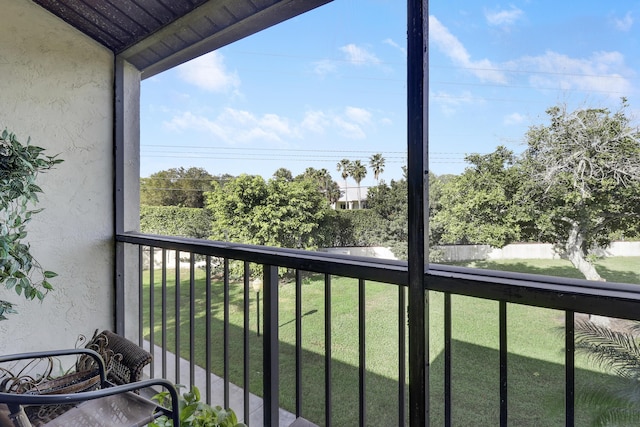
(331, 84)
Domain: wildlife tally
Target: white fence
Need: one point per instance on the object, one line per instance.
(527, 251)
(486, 252)
(450, 252)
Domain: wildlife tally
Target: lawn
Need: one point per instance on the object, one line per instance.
(536, 343)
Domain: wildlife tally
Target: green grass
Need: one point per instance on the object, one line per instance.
(535, 337)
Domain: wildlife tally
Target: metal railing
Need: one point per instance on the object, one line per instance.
(569, 295)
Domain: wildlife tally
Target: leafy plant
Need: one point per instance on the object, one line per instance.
(619, 352)
(20, 165)
(194, 413)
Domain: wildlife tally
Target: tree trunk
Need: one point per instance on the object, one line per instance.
(346, 194)
(573, 250)
(575, 254)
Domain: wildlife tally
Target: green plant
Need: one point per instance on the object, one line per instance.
(194, 413)
(20, 165)
(617, 351)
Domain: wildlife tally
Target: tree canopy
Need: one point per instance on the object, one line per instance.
(481, 205)
(277, 212)
(177, 187)
(576, 185)
(584, 185)
(326, 185)
(376, 162)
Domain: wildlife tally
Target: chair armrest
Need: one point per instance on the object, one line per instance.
(13, 399)
(63, 352)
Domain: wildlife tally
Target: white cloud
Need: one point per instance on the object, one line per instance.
(450, 103)
(358, 115)
(506, 17)
(359, 56)
(324, 67)
(235, 126)
(315, 121)
(349, 129)
(395, 45)
(601, 72)
(453, 48)
(514, 119)
(209, 72)
(623, 24)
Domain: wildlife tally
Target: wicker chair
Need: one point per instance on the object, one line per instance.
(102, 391)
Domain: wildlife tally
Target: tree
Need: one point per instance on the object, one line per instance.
(481, 205)
(326, 185)
(177, 187)
(344, 166)
(376, 162)
(275, 213)
(390, 203)
(584, 170)
(358, 171)
(576, 185)
(283, 173)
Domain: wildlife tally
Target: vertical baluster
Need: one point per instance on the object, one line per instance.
(152, 302)
(402, 343)
(140, 294)
(225, 335)
(362, 349)
(298, 343)
(447, 359)
(192, 320)
(327, 350)
(207, 340)
(503, 364)
(246, 354)
(177, 325)
(271, 385)
(164, 313)
(570, 369)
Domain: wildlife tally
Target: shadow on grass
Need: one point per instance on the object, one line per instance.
(536, 389)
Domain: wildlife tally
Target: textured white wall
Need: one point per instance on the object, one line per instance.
(56, 87)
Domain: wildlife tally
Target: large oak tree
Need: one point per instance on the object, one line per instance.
(576, 185)
(584, 179)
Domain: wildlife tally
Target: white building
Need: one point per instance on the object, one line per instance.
(349, 198)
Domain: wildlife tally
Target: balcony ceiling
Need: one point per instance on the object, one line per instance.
(155, 35)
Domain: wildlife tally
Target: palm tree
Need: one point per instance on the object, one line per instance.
(344, 166)
(617, 351)
(376, 162)
(358, 171)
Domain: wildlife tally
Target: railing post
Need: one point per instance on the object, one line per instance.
(271, 381)
(118, 190)
(417, 180)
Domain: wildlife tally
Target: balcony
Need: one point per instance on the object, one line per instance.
(73, 86)
(293, 373)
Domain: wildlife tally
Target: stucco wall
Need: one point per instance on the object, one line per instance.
(56, 87)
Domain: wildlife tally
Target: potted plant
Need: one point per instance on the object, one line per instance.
(194, 413)
(20, 165)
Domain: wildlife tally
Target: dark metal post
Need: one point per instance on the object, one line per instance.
(503, 365)
(118, 192)
(258, 312)
(418, 176)
(570, 368)
(271, 385)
